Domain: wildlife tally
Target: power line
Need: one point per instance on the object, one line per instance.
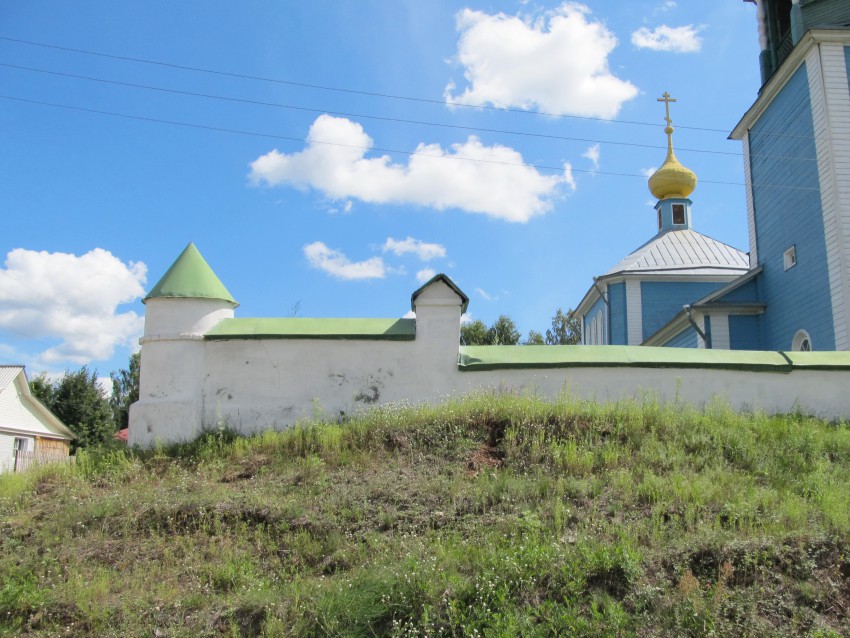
(386, 118)
(347, 114)
(323, 87)
(25, 335)
(364, 148)
(372, 93)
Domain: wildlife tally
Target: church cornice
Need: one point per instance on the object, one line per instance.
(670, 276)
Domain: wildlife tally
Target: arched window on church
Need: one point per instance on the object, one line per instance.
(597, 329)
(601, 339)
(802, 342)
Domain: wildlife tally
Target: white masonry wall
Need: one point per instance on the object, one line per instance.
(188, 384)
(816, 393)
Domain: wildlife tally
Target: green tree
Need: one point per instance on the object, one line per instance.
(80, 404)
(474, 333)
(125, 391)
(566, 329)
(534, 338)
(42, 389)
(503, 332)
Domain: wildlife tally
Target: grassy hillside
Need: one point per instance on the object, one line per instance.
(494, 516)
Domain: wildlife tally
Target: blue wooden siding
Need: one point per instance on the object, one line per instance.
(666, 210)
(800, 297)
(745, 332)
(619, 317)
(600, 304)
(748, 292)
(662, 300)
(825, 12)
(685, 339)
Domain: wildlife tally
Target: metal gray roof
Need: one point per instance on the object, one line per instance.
(8, 374)
(683, 252)
(26, 414)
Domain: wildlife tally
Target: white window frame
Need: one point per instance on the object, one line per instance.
(593, 333)
(789, 257)
(597, 329)
(802, 342)
(679, 207)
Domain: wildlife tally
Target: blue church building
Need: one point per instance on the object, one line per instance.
(792, 291)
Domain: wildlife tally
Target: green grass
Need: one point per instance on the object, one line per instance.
(495, 515)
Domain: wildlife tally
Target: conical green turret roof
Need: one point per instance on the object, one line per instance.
(190, 276)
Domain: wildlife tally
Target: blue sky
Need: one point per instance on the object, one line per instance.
(340, 200)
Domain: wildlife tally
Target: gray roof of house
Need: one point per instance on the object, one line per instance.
(8, 374)
(683, 252)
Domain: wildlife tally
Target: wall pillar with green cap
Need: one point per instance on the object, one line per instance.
(185, 303)
(438, 304)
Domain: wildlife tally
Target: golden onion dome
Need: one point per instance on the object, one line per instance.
(672, 179)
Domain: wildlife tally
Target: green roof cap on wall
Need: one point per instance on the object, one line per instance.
(474, 358)
(308, 328)
(190, 276)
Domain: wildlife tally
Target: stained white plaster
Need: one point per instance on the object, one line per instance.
(762, 24)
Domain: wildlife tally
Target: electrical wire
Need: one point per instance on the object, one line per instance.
(387, 118)
(364, 148)
(323, 87)
(376, 94)
(348, 114)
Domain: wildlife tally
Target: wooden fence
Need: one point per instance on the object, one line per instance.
(26, 460)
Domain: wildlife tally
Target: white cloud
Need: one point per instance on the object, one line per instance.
(592, 154)
(568, 176)
(486, 296)
(425, 274)
(105, 385)
(338, 265)
(393, 270)
(557, 63)
(8, 353)
(424, 251)
(648, 172)
(466, 318)
(664, 7)
(470, 176)
(72, 299)
(663, 38)
(409, 315)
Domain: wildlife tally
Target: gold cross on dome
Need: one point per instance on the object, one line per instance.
(667, 99)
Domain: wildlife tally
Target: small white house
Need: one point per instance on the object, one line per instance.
(29, 432)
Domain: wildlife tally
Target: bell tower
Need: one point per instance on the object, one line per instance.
(782, 24)
(797, 172)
